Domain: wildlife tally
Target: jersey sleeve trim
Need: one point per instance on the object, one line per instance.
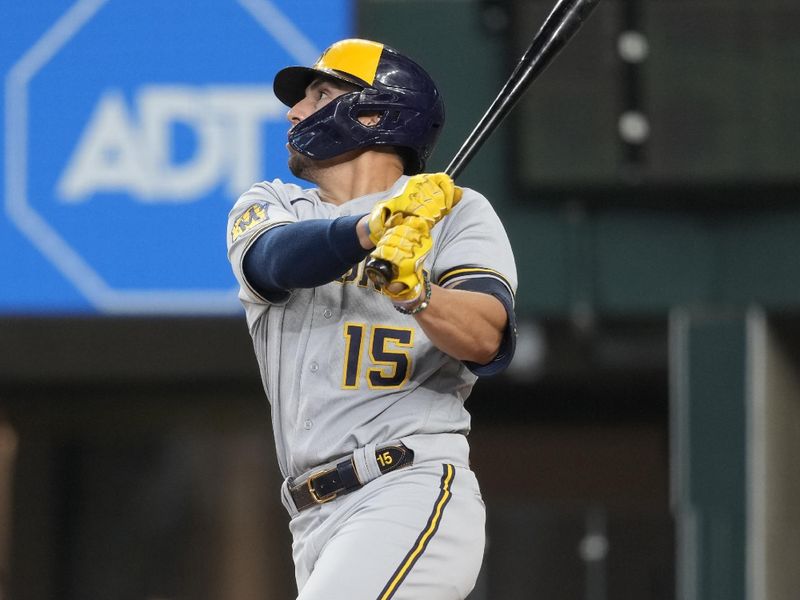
(457, 275)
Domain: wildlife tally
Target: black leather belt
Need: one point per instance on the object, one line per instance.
(323, 486)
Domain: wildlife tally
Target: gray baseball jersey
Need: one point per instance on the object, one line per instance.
(340, 366)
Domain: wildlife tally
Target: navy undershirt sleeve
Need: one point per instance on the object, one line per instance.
(305, 254)
(508, 344)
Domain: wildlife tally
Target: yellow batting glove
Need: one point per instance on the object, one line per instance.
(428, 196)
(405, 246)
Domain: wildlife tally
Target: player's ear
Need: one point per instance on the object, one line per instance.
(370, 119)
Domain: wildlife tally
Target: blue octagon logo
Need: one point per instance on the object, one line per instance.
(132, 129)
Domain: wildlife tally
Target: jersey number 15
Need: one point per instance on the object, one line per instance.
(389, 365)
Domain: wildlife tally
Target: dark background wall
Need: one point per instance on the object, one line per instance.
(138, 451)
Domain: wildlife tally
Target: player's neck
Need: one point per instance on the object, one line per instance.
(371, 171)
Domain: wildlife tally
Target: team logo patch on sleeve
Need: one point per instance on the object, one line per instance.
(255, 214)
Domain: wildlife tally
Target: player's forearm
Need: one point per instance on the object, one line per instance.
(466, 325)
(303, 254)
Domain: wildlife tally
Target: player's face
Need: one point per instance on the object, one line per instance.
(318, 93)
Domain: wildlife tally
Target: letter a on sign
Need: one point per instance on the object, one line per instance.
(107, 157)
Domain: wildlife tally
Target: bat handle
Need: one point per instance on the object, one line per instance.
(380, 271)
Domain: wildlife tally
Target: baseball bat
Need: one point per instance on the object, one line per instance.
(561, 24)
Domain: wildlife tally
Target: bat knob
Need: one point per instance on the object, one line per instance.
(380, 271)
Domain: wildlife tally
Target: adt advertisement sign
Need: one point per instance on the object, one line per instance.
(130, 128)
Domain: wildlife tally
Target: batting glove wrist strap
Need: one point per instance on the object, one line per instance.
(416, 306)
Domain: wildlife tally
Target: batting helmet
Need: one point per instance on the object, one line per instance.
(395, 87)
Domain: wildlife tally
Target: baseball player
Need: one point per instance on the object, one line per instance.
(366, 383)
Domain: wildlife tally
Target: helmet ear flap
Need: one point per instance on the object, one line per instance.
(393, 116)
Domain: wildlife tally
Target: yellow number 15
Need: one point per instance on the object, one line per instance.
(390, 365)
(385, 459)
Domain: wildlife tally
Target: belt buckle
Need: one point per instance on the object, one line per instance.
(317, 498)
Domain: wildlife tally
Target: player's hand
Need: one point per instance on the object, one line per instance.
(427, 196)
(405, 246)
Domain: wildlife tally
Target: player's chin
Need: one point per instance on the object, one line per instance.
(304, 167)
(300, 166)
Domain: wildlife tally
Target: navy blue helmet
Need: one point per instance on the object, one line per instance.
(410, 108)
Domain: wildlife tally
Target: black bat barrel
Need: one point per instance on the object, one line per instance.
(560, 25)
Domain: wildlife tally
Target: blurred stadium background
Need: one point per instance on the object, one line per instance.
(644, 445)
